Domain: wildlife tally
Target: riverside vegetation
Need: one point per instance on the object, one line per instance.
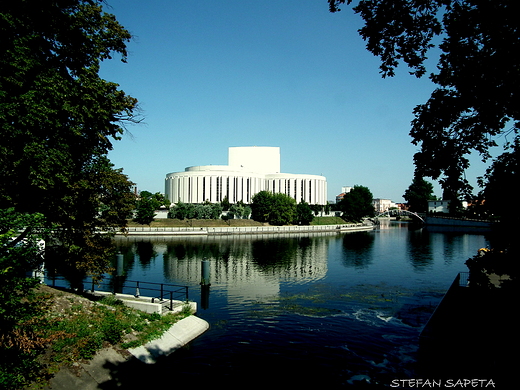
(60, 328)
(167, 222)
(71, 328)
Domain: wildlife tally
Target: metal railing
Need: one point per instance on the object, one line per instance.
(240, 229)
(164, 292)
(160, 291)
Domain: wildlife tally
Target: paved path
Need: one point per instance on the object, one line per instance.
(105, 370)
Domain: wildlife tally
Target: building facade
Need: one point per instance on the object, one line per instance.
(249, 171)
(382, 205)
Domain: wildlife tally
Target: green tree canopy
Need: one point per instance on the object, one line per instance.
(58, 119)
(418, 195)
(502, 176)
(19, 254)
(476, 99)
(283, 210)
(261, 205)
(357, 204)
(304, 213)
(277, 209)
(147, 204)
(145, 211)
(225, 203)
(182, 210)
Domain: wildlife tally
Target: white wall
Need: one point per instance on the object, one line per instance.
(264, 159)
(251, 170)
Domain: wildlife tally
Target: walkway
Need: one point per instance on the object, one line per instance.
(167, 231)
(108, 368)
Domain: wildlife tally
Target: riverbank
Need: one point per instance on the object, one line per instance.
(219, 227)
(90, 337)
(458, 222)
(103, 370)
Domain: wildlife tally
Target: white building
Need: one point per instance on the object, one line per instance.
(442, 206)
(249, 171)
(382, 205)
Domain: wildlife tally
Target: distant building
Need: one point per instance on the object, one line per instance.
(344, 190)
(382, 205)
(438, 206)
(442, 206)
(249, 171)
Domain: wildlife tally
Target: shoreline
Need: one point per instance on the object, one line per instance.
(190, 231)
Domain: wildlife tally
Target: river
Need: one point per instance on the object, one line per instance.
(290, 310)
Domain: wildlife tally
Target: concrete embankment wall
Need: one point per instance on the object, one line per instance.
(445, 221)
(165, 231)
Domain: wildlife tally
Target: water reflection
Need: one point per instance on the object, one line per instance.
(338, 305)
(145, 252)
(248, 268)
(419, 249)
(358, 249)
(260, 264)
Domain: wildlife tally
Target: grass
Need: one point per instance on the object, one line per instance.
(84, 332)
(76, 328)
(232, 222)
(328, 221)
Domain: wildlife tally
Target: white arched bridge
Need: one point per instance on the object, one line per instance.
(394, 213)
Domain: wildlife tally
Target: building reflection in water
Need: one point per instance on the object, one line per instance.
(249, 267)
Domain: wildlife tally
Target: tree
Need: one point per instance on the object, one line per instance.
(357, 204)
(19, 254)
(236, 210)
(327, 208)
(225, 203)
(316, 208)
(147, 204)
(283, 210)
(418, 195)
(261, 205)
(180, 210)
(58, 119)
(145, 211)
(159, 200)
(247, 212)
(304, 213)
(477, 80)
(99, 204)
(498, 181)
(277, 209)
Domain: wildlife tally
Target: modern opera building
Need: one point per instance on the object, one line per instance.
(249, 171)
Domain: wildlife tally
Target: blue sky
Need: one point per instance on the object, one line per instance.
(212, 74)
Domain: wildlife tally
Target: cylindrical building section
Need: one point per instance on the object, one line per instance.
(213, 183)
(311, 188)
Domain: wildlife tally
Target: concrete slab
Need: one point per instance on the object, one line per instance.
(174, 338)
(98, 367)
(88, 376)
(99, 371)
(147, 304)
(66, 380)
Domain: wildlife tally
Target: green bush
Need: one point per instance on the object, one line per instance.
(112, 329)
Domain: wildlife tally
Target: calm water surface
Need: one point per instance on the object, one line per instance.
(292, 310)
